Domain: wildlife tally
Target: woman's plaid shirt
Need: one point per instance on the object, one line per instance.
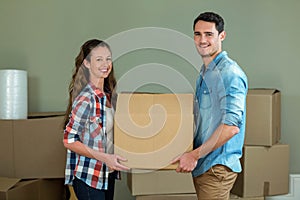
(87, 124)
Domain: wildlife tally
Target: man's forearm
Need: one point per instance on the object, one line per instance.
(220, 136)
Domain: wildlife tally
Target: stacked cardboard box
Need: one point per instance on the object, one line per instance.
(32, 189)
(167, 185)
(159, 182)
(150, 131)
(265, 161)
(32, 156)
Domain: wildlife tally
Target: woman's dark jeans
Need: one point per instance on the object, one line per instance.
(85, 192)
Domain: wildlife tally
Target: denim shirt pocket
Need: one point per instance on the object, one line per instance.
(205, 99)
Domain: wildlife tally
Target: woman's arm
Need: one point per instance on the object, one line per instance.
(111, 160)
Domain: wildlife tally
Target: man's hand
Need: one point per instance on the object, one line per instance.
(187, 162)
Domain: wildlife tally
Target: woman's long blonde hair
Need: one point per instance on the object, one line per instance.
(80, 77)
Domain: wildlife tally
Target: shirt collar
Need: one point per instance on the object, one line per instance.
(215, 61)
(96, 90)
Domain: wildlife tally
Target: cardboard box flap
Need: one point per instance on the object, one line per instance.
(7, 183)
(45, 114)
(262, 91)
(155, 104)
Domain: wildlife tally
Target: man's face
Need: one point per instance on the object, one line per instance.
(207, 39)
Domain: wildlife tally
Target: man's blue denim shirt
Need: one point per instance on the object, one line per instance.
(221, 91)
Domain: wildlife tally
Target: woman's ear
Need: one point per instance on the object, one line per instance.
(86, 63)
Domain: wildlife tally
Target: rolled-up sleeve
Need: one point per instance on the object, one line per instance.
(233, 103)
(77, 121)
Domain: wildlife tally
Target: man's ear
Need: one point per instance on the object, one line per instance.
(222, 35)
(86, 63)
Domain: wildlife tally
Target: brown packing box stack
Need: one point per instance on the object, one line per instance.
(265, 171)
(50, 189)
(187, 197)
(159, 182)
(152, 129)
(33, 147)
(265, 161)
(35, 189)
(263, 126)
(11, 188)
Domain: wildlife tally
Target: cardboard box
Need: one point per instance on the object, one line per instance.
(152, 129)
(33, 147)
(265, 171)
(34, 189)
(13, 188)
(187, 197)
(263, 117)
(160, 182)
(168, 197)
(50, 189)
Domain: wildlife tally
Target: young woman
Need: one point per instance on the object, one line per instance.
(91, 165)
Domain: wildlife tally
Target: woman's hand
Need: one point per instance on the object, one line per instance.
(112, 161)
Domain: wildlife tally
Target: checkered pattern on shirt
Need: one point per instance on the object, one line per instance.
(87, 124)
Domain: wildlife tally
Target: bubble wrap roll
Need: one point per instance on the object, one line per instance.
(13, 94)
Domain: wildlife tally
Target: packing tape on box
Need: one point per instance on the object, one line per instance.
(13, 94)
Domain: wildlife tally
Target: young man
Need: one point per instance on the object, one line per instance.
(220, 129)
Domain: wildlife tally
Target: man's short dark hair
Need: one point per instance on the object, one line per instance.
(211, 17)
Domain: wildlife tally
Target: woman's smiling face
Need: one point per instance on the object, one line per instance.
(100, 63)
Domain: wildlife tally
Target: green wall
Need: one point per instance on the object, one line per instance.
(44, 38)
